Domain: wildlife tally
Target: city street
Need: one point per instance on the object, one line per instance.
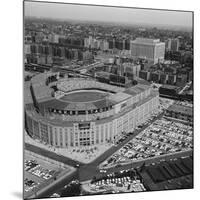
(50, 154)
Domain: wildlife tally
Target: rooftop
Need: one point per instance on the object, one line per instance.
(118, 97)
(181, 109)
(147, 41)
(169, 87)
(139, 88)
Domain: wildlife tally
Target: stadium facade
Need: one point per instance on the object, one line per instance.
(72, 112)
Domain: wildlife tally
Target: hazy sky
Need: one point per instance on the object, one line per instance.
(97, 13)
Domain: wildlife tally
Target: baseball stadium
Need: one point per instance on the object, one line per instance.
(74, 112)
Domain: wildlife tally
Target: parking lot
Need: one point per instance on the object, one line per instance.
(122, 181)
(39, 172)
(162, 137)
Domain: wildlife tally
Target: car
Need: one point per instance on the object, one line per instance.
(102, 171)
(162, 160)
(55, 195)
(77, 165)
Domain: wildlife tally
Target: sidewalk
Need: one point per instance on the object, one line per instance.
(84, 155)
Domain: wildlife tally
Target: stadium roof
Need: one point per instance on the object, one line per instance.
(75, 106)
(118, 97)
(139, 88)
(81, 106)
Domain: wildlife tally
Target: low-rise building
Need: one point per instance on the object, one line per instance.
(181, 112)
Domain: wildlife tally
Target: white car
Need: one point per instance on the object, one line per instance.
(102, 171)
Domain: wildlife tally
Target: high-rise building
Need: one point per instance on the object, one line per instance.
(54, 38)
(151, 49)
(86, 42)
(131, 68)
(172, 44)
(175, 44)
(119, 44)
(127, 44)
(111, 43)
(105, 45)
(27, 48)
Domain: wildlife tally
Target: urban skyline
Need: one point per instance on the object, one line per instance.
(140, 16)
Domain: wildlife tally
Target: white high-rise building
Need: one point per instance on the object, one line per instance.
(151, 49)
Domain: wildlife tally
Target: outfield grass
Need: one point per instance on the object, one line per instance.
(85, 96)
